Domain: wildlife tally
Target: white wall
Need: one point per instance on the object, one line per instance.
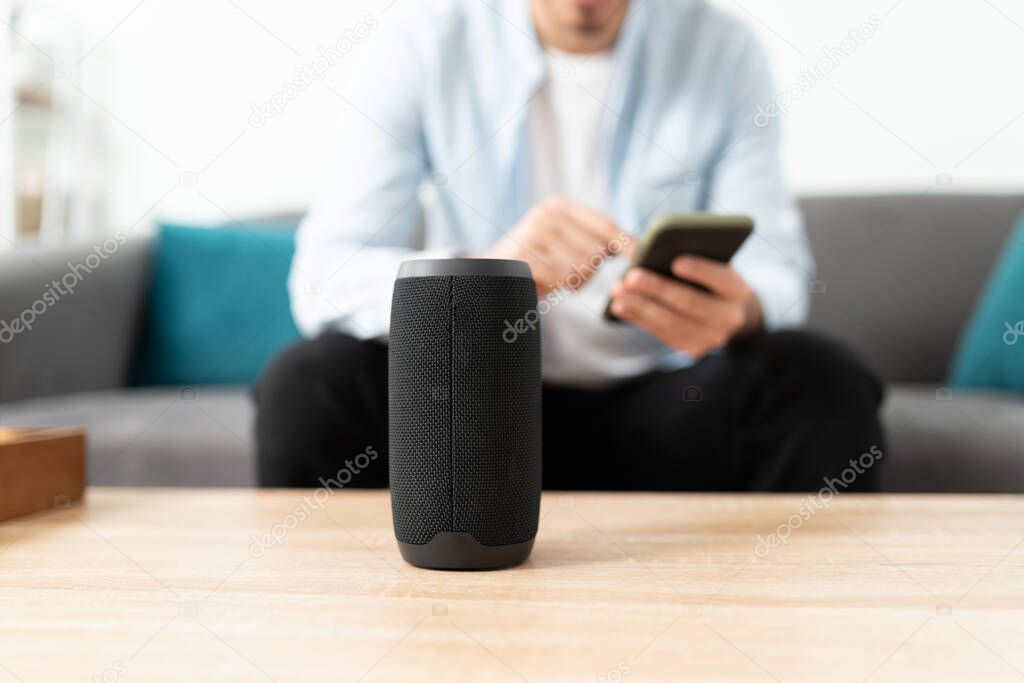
(936, 90)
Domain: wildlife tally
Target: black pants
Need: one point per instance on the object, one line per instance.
(776, 412)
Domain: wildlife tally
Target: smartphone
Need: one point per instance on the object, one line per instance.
(710, 236)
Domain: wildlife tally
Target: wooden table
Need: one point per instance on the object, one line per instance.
(161, 584)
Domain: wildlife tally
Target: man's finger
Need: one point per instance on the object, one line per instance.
(581, 244)
(683, 298)
(718, 277)
(625, 244)
(542, 254)
(595, 223)
(567, 246)
(671, 329)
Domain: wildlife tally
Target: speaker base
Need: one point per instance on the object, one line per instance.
(458, 550)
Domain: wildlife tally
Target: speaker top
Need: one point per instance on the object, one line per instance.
(465, 266)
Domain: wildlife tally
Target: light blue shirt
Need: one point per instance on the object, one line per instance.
(435, 119)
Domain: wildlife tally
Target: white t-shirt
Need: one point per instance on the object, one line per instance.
(567, 158)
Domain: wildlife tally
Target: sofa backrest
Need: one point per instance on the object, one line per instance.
(83, 304)
(901, 273)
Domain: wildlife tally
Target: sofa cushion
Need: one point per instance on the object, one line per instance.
(219, 307)
(953, 442)
(192, 436)
(971, 442)
(991, 350)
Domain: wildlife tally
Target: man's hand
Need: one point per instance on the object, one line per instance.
(556, 235)
(684, 317)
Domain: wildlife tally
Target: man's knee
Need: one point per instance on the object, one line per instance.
(819, 389)
(293, 367)
(304, 370)
(308, 385)
(314, 403)
(820, 366)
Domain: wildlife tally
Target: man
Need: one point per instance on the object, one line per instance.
(550, 131)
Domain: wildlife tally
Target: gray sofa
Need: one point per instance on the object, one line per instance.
(898, 276)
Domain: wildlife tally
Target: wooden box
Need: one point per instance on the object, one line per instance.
(39, 469)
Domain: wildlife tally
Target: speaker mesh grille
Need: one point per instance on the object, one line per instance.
(464, 409)
(419, 408)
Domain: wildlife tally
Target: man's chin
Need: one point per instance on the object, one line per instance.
(596, 14)
(590, 20)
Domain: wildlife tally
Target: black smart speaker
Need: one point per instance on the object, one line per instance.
(464, 412)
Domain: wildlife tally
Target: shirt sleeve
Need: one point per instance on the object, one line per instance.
(363, 225)
(747, 179)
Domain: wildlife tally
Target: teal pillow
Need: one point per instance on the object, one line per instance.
(218, 306)
(990, 354)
